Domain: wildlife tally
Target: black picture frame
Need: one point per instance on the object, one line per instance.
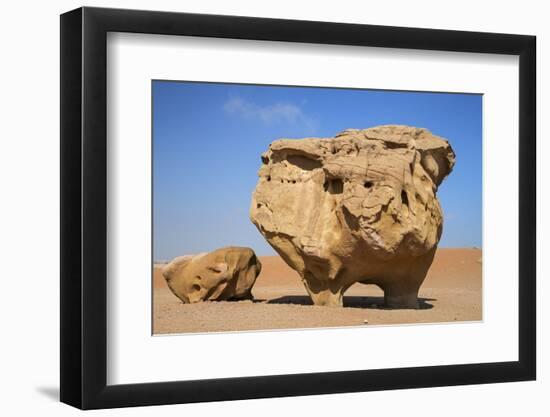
(84, 207)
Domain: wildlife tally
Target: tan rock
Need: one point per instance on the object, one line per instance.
(359, 207)
(224, 274)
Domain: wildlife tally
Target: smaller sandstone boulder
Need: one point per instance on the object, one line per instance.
(224, 274)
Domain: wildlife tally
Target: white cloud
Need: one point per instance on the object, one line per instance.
(274, 113)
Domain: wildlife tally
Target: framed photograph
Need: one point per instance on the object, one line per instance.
(257, 208)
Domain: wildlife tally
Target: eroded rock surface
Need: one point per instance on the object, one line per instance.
(359, 207)
(224, 274)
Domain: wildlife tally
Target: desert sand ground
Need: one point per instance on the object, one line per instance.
(451, 292)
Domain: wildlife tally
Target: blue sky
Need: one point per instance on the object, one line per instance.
(208, 138)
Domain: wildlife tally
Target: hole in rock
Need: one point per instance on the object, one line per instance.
(265, 159)
(395, 145)
(368, 184)
(404, 198)
(303, 162)
(334, 186)
(196, 287)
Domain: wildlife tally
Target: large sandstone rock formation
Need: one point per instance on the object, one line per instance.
(359, 207)
(224, 274)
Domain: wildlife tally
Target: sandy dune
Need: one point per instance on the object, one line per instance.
(451, 292)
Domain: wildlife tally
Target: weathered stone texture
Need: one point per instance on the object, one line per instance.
(359, 207)
(224, 274)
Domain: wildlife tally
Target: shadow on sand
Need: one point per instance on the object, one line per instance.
(351, 301)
